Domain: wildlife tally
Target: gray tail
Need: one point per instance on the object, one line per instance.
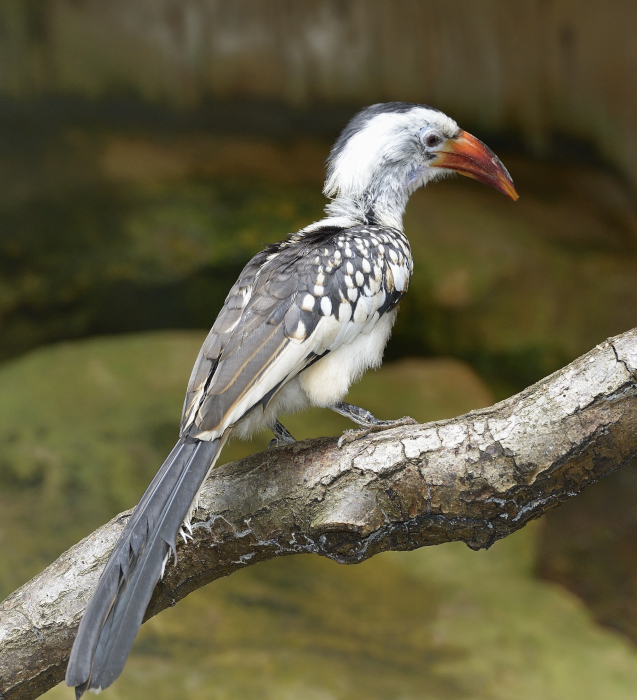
(116, 610)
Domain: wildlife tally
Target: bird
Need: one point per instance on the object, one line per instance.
(306, 317)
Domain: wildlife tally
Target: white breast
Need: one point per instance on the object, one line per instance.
(327, 381)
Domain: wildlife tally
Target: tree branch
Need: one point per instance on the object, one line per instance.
(476, 478)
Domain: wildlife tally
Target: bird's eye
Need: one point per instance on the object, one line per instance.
(431, 138)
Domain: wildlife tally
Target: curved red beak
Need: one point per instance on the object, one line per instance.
(468, 156)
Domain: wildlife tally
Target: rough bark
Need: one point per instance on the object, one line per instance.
(475, 478)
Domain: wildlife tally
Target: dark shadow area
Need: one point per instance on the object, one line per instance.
(589, 545)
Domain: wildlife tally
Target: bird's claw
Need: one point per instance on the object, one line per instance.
(358, 433)
(280, 442)
(352, 435)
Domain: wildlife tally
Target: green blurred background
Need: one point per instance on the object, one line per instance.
(148, 148)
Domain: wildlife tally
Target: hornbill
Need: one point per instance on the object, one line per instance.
(305, 319)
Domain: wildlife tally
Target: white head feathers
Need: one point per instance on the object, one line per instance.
(378, 161)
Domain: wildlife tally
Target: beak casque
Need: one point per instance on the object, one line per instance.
(468, 156)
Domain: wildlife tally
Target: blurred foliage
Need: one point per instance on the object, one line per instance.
(548, 73)
(82, 255)
(520, 290)
(107, 231)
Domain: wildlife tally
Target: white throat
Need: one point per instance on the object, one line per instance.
(382, 203)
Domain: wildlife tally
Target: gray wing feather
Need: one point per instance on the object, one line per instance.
(237, 374)
(117, 607)
(219, 335)
(250, 332)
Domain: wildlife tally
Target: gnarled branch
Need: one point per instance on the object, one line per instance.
(475, 478)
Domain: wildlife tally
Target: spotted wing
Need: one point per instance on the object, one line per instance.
(289, 306)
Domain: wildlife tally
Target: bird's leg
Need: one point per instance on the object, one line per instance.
(368, 422)
(281, 435)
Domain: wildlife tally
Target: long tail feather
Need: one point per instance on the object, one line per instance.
(116, 610)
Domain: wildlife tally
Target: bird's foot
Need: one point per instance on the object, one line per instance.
(358, 433)
(278, 442)
(282, 436)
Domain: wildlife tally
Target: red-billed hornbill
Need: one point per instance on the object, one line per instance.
(305, 319)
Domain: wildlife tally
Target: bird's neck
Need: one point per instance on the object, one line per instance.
(382, 202)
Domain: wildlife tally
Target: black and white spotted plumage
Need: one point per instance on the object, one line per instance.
(305, 319)
(294, 304)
